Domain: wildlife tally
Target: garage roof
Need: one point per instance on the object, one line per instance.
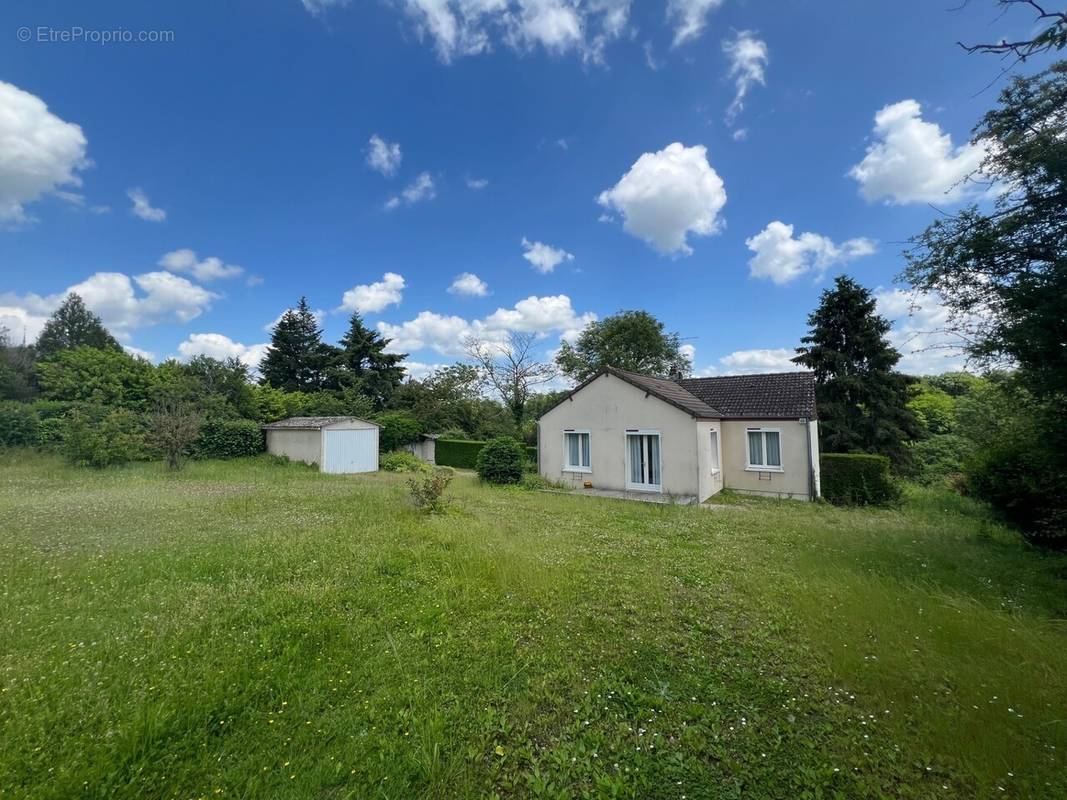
(310, 423)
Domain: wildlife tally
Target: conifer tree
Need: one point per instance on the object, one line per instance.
(73, 325)
(362, 363)
(295, 359)
(862, 400)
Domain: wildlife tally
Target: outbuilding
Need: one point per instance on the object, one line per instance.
(338, 445)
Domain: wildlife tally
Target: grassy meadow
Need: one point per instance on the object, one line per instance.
(258, 630)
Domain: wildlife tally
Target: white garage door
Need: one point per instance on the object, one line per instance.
(350, 451)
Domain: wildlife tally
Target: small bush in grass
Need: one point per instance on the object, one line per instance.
(400, 461)
(857, 479)
(502, 460)
(173, 429)
(98, 437)
(18, 424)
(229, 438)
(428, 491)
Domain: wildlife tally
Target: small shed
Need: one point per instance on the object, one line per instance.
(424, 448)
(339, 445)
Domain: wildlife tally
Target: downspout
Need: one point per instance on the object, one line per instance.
(811, 463)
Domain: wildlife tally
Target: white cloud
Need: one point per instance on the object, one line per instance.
(469, 27)
(216, 345)
(137, 351)
(543, 257)
(114, 296)
(689, 351)
(740, 134)
(668, 195)
(445, 334)
(477, 184)
(782, 258)
(39, 153)
(469, 285)
(919, 321)
(143, 208)
(689, 17)
(318, 7)
(210, 269)
(383, 156)
(741, 362)
(748, 62)
(422, 188)
(417, 371)
(373, 297)
(913, 161)
(22, 323)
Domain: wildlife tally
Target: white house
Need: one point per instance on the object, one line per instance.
(689, 438)
(336, 444)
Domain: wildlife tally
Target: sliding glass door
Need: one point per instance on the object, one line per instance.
(643, 461)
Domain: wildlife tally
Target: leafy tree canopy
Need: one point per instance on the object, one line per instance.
(630, 340)
(73, 325)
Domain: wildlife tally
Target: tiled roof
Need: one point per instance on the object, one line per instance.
(668, 391)
(308, 423)
(780, 395)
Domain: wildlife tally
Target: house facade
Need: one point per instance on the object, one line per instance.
(689, 438)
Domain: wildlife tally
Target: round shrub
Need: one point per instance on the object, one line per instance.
(96, 436)
(18, 424)
(501, 461)
(229, 438)
(401, 461)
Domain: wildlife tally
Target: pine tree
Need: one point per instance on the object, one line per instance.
(73, 325)
(295, 359)
(363, 364)
(862, 400)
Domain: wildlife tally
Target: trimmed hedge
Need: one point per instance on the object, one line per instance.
(229, 438)
(463, 453)
(857, 479)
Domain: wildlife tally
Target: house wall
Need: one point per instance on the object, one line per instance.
(711, 480)
(297, 445)
(607, 407)
(791, 482)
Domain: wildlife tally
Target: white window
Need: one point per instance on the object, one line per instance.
(643, 461)
(765, 449)
(576, 451)
(714, 452)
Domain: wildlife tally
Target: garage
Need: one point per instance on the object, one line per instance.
(337, 445)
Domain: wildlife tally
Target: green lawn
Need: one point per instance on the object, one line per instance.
(253, 630)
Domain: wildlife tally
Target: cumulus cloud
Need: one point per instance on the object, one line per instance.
(688, 17)
(39, 154)
(741, 362)
(913, 161)
(21, 323)
(748, 62)
(422, 188)
(417, 370)
(383, 156)
(543, 257)
(445, 334)
(373, 297)
(122, 302)
(919, 331)
(210, 269)
(469, 285)
(143, 208)
(668, 195)
(781, 257)
(459, 28)
(216, 345)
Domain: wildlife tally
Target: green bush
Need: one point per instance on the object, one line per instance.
(229, 438)
(401, 461)
(99, 437)
(50, 432)
(428, 491)
(501, 460)
(458, 453)
(18, 424)
(937, 458)
(857, 479)
(396, 429)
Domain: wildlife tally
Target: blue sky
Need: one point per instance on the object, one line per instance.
(577, 156)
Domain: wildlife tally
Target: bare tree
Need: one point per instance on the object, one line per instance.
(173, 427)
(509, 369)
(1052, 36)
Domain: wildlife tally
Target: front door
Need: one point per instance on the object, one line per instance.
(643, 461)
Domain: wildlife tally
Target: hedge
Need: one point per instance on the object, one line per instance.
(463, 453)
(229, 438)
(502, 460)
(857, 479)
